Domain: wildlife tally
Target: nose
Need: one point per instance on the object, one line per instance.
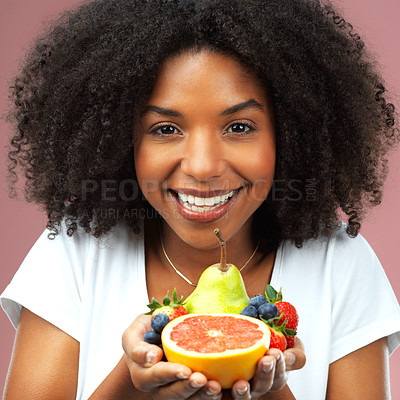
(203, 156)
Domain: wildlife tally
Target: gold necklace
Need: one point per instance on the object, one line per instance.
(183, 276)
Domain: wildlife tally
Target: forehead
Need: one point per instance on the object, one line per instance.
(206, 75)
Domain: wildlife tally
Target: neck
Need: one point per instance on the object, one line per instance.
(194, 257)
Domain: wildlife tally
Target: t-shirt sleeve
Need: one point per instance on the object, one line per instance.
(364, 306)
(49, 282)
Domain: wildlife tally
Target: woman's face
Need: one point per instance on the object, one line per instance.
(205, 153)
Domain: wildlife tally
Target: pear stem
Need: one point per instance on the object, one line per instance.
(222, 264)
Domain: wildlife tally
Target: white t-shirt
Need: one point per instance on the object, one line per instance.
(93, 289)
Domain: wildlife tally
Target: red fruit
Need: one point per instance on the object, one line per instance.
(172, 312)
(170, 308)
(290, 342)
(288, 317)
(278, 339)
(289, 313)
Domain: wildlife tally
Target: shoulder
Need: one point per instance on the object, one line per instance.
(332, 264)
(63, 258)
(81, 241)
(339, 278)
(339, 246)
(58, 273)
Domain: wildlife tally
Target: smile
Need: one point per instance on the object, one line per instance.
(197, 207)
(203, 204)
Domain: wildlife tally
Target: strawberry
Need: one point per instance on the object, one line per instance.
(279, 333)
(290, 342)
(170, 308)
(171, 312)
(278, 339)
(287, 311)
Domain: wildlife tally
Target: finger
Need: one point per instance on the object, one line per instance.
(212, 391)
(161, 374)
(136, 348)
(195, 387)
(141, 324)
(241, 390)
(298, 344)
(281, 376)
(295, 357)
(264, 376)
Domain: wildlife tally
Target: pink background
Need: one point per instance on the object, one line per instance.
(21, 20)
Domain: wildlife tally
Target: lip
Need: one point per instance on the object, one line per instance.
(208, 216)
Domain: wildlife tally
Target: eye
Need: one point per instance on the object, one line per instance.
(164, 130)
(241, 128)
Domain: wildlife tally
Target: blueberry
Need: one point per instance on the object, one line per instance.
(152, 337)
(250, 311)
(268, 311)
(159, 321)
(257, 301)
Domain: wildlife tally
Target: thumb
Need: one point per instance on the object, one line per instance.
(136, 349)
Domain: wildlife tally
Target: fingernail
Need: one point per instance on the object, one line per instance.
(212, 394)
(196, 384)
(267, 367)
(182, 375)
(150, 358)
(243, 391)
(290, 358)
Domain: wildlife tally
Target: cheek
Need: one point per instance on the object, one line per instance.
(143, 165)
(258, 162)
(148, 169)
(261, 172)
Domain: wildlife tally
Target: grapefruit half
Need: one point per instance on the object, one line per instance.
(224, 347)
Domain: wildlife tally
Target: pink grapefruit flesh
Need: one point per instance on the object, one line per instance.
(224, 347)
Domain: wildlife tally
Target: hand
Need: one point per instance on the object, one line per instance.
(272, 372)
(163, 380)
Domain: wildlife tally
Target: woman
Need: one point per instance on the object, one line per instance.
(242, 107)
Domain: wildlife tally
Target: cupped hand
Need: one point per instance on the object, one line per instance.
(271, 373)
(163, 380)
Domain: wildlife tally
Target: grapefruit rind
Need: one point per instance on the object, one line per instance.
(227, 366)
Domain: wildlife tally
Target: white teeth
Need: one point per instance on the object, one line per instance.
(187, 205)
(190, 198)
(184, 197)
(209, 201)
(203, 204)
(199, 201)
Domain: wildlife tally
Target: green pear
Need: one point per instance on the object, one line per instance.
(220, 288)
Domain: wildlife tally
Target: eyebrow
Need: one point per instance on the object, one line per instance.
(231, 110)
(242, 106)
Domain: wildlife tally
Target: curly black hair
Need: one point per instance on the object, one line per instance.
(86, 82)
